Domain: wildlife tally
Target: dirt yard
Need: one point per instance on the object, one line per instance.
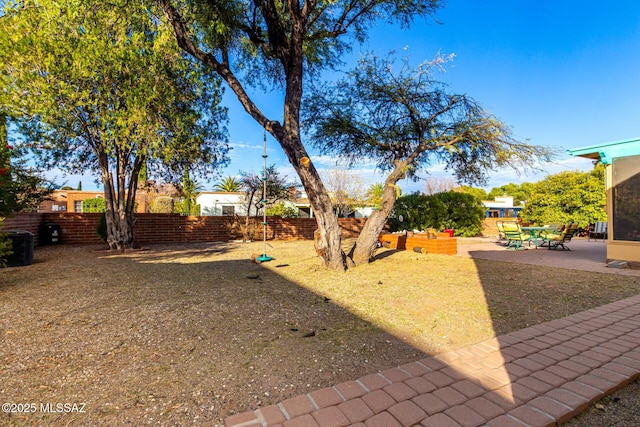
(190, 334)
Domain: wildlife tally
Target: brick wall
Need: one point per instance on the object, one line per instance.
(80, 228)
(24, 221)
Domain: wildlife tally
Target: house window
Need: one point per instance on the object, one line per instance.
(77, 205)
(228, 210)
(626, 198)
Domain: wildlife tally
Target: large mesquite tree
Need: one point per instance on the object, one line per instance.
(405, 119)
(103, 86)
(269, 42)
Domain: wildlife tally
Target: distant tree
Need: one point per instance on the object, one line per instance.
(568, 197)
(22, 188)
(79, 186)
(519, 192)
(405, 119)
(345, 189)
(188, 193)
(230, 184)
(478, 193)
(374, 195)
(282, 44)
(103, 86)
(253, 185)
(436, 184)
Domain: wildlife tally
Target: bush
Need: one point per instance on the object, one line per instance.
(283, 210)
(187, 207)
(6, 247)
(93, 205)
(102, 227)
(162, 204)
(460, 211)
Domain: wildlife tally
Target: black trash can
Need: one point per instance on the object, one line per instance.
(22, 248)
(49, 234)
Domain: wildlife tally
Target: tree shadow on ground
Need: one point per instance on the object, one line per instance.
(192, 334)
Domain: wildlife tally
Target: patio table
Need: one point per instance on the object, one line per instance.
(535, 234)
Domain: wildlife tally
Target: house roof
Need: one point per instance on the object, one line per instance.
(608, 151)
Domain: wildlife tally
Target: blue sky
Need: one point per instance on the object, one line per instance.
(559, 73)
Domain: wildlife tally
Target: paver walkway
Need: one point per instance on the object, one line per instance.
(539, 376)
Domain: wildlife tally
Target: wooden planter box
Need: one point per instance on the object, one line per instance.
(442, 245)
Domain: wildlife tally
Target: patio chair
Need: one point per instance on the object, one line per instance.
(514, 235)
(556, 240)
(599, 229)
(500, 225)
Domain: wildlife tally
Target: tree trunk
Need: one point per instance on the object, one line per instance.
(119, 222)
(367, 242)
(119, 211)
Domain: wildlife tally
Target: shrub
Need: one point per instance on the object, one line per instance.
(162, 204)
(93, 205)
(460, 211)
(283, 210)
(6, 247)
(187, 207)
(101, 230)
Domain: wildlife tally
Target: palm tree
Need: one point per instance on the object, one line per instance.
(374, 195)
(230, 184)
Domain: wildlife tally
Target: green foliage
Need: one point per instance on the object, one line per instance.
(230, 184)
(190, 190)
(103, 86)
(374, 195)
(459, 211)
(101, 230)
(519, 192)
(186, 207)
(568, 197)
(93, 205)
(21, 187)
(478, 193)
(162, 204)
(283, 210)
(6, 247)
(404, 119)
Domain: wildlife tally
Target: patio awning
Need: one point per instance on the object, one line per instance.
(608, 151)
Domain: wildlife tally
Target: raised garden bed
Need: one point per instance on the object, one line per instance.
(442, 244)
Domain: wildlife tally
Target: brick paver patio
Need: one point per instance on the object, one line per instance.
(538, 376)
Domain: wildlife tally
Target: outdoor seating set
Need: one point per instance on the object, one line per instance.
(550, 236)
(598, 230)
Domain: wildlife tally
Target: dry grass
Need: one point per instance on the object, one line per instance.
(187, 335)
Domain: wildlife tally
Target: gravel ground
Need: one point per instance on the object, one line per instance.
(190, 334)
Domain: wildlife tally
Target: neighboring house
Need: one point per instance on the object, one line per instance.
(622, 184)
(301, 201)
(501, 207)
(71, 201)
(68, 200)
(220, 203)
